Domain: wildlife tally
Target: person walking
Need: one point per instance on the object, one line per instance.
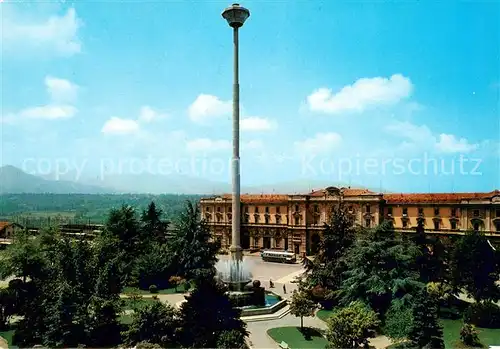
(284, 289)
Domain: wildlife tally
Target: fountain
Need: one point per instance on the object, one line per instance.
(235, 274)
(252, 299)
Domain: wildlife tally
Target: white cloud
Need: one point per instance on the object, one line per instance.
(418, 134)
(62, 94)
(208, 106)
(207, 145)
(450, 144)
(56, 34)
(48, 112)
(61, 90)
(363, 94)
(257, 124)
(321, 142)
(148, 114)
(421, 138)
(117, 125)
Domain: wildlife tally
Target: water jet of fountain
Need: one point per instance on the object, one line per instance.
(235, 274)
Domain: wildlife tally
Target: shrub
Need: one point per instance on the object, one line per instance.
(153, 289)
(483, 314)
(439, 290)
(350, 327)
(398, 321)
(147, 345)
(231, 340)
(469, 335)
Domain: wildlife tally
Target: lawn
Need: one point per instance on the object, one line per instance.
(7, 335)
(128, 303)
(451, 331)
(451, 334)
(310, 338)
(324, 314)
(172, 290)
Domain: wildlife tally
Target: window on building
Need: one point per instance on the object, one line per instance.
(436, 225)
(497, 213)
(278, 210)
(405, 224)
(219, 219)
(367, 208)
(316, 220)
(420, 211)
(207, 209)
(256, 209)
(278, 219)
(497, 226)
(368, 223)
(316, 208)
(267, 219)
(256, 217)
(453, 225)
(350, 209)
(207, 217)
(389, 211)
(436, 211)
(476, 213)
(405, 211)
(297, 220)
(246, 209)
(453, 212)
(267, 209)
(476, 226)
(296, 208)
(245, 219)
(218, 208)
(230, 209)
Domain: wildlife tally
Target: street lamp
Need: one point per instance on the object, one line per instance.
(235, 16)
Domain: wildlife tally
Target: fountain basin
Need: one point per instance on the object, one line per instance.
(274, 303)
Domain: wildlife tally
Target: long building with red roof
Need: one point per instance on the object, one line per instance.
(294, 222)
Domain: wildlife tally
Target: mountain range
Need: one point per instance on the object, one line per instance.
(15, 181)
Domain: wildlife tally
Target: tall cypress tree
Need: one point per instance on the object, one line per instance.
(426, 332)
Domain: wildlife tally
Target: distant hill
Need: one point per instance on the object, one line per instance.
(15, 181)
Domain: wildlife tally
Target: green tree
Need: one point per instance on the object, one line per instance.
(104, 304)
(301, 305)
(123, 226)
(155, 228)
(352, 326)
(155, 323)
(231, 340)
(474, 267)
(398, 320)
(328, 267)
(154, 267)
(426, 332)
(469, 336)
(192, 250)
(207, 314)
(381, 267)
(21, 258)
(8, 306)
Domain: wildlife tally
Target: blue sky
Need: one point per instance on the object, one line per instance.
(402, 96)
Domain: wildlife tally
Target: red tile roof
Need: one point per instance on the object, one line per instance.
(408, 198)
(347, 192)
(260, 198)
(4, 225)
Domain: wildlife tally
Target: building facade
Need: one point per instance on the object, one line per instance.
(294, 222)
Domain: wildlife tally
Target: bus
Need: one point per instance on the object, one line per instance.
(278, 256)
